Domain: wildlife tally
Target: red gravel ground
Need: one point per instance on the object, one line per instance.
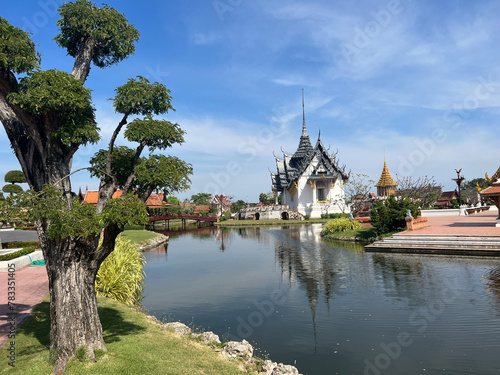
(482, 224)
(31, 286)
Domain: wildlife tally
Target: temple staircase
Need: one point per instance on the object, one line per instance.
(438, 244)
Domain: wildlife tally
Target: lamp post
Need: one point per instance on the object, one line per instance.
(459, 181)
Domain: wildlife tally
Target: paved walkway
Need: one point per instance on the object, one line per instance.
(31, 286)
(482, 224)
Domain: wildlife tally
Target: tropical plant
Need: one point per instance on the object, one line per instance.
(121, 275)
(339, 225)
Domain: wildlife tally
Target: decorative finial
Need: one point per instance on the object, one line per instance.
(304, 129)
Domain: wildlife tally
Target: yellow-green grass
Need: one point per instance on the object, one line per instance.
(139, 236)
(236, 223)
(136, 345)
(367, 234)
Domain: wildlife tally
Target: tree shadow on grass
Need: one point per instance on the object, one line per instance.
(114, 325)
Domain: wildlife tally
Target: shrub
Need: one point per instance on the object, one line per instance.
(121, 274)
(307, 217)
(389, 215)
(17, 254)
(13, 245)
(339, 225)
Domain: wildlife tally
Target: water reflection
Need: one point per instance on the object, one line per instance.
(341, 305)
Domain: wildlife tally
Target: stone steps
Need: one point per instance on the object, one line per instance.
(431, 244)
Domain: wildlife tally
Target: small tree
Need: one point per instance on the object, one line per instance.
(266, 198)
(423, 191)
(173, 200)
(14, 178)
(238, 205)
(201, 199)
(12, 189)
(389, 215)
(47, 116)
(357, 192)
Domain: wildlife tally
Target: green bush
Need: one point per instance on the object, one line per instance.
(121, 274)
(17, 254)
(307, 217)
(389, 215)
(13, 245)
(339, 225)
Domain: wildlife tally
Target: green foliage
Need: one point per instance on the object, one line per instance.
(173, 200)
(389, 215)
(339, 225)
(12, 189)
(166, 173)
(79, 220)
(15, 177)
(17, 254)
(140, 97)
(334, 216)
(121, 275)
(123, 211)
(472, 184)
(307, 217)
(17, 51)
(156, 134)
(12, 245)
(62, 98)
(266, 198)
(201, 199)
(238, 205)
(107, 30)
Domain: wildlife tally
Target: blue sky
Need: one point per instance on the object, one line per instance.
(419, 80)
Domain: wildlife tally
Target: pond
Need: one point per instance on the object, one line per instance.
(331, 308)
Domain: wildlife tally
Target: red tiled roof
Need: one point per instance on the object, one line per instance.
(91, 197)
(492, 190)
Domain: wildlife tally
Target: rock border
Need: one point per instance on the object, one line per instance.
(159, 240)
(232, 350)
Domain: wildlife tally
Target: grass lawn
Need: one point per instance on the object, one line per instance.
(235, 223)
(363, 234)
(135, 346)
(139, 236)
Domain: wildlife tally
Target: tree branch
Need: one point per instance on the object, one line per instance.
(130, 178)
(109, 158)
(81, 68)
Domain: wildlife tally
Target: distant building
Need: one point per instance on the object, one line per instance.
(310, 181)
(386, 186)
(444, 201)
(91, 196)
(222, 202)
(492, 192)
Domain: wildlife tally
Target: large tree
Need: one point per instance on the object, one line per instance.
(47, 116)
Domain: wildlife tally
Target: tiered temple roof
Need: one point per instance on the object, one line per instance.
(386, 185)
(290, 168)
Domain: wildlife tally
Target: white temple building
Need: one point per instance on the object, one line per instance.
(310, 181)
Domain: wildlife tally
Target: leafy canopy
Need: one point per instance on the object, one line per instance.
(166, 173)
(140, 97)
(17, 51)
(15, 177)
(81, 221)
(61, 97)
(108, 30)
(12, 189)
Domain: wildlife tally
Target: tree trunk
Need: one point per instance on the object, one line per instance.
(73, 305)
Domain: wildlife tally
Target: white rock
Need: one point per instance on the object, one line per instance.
(235, 349)
(178, 327)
